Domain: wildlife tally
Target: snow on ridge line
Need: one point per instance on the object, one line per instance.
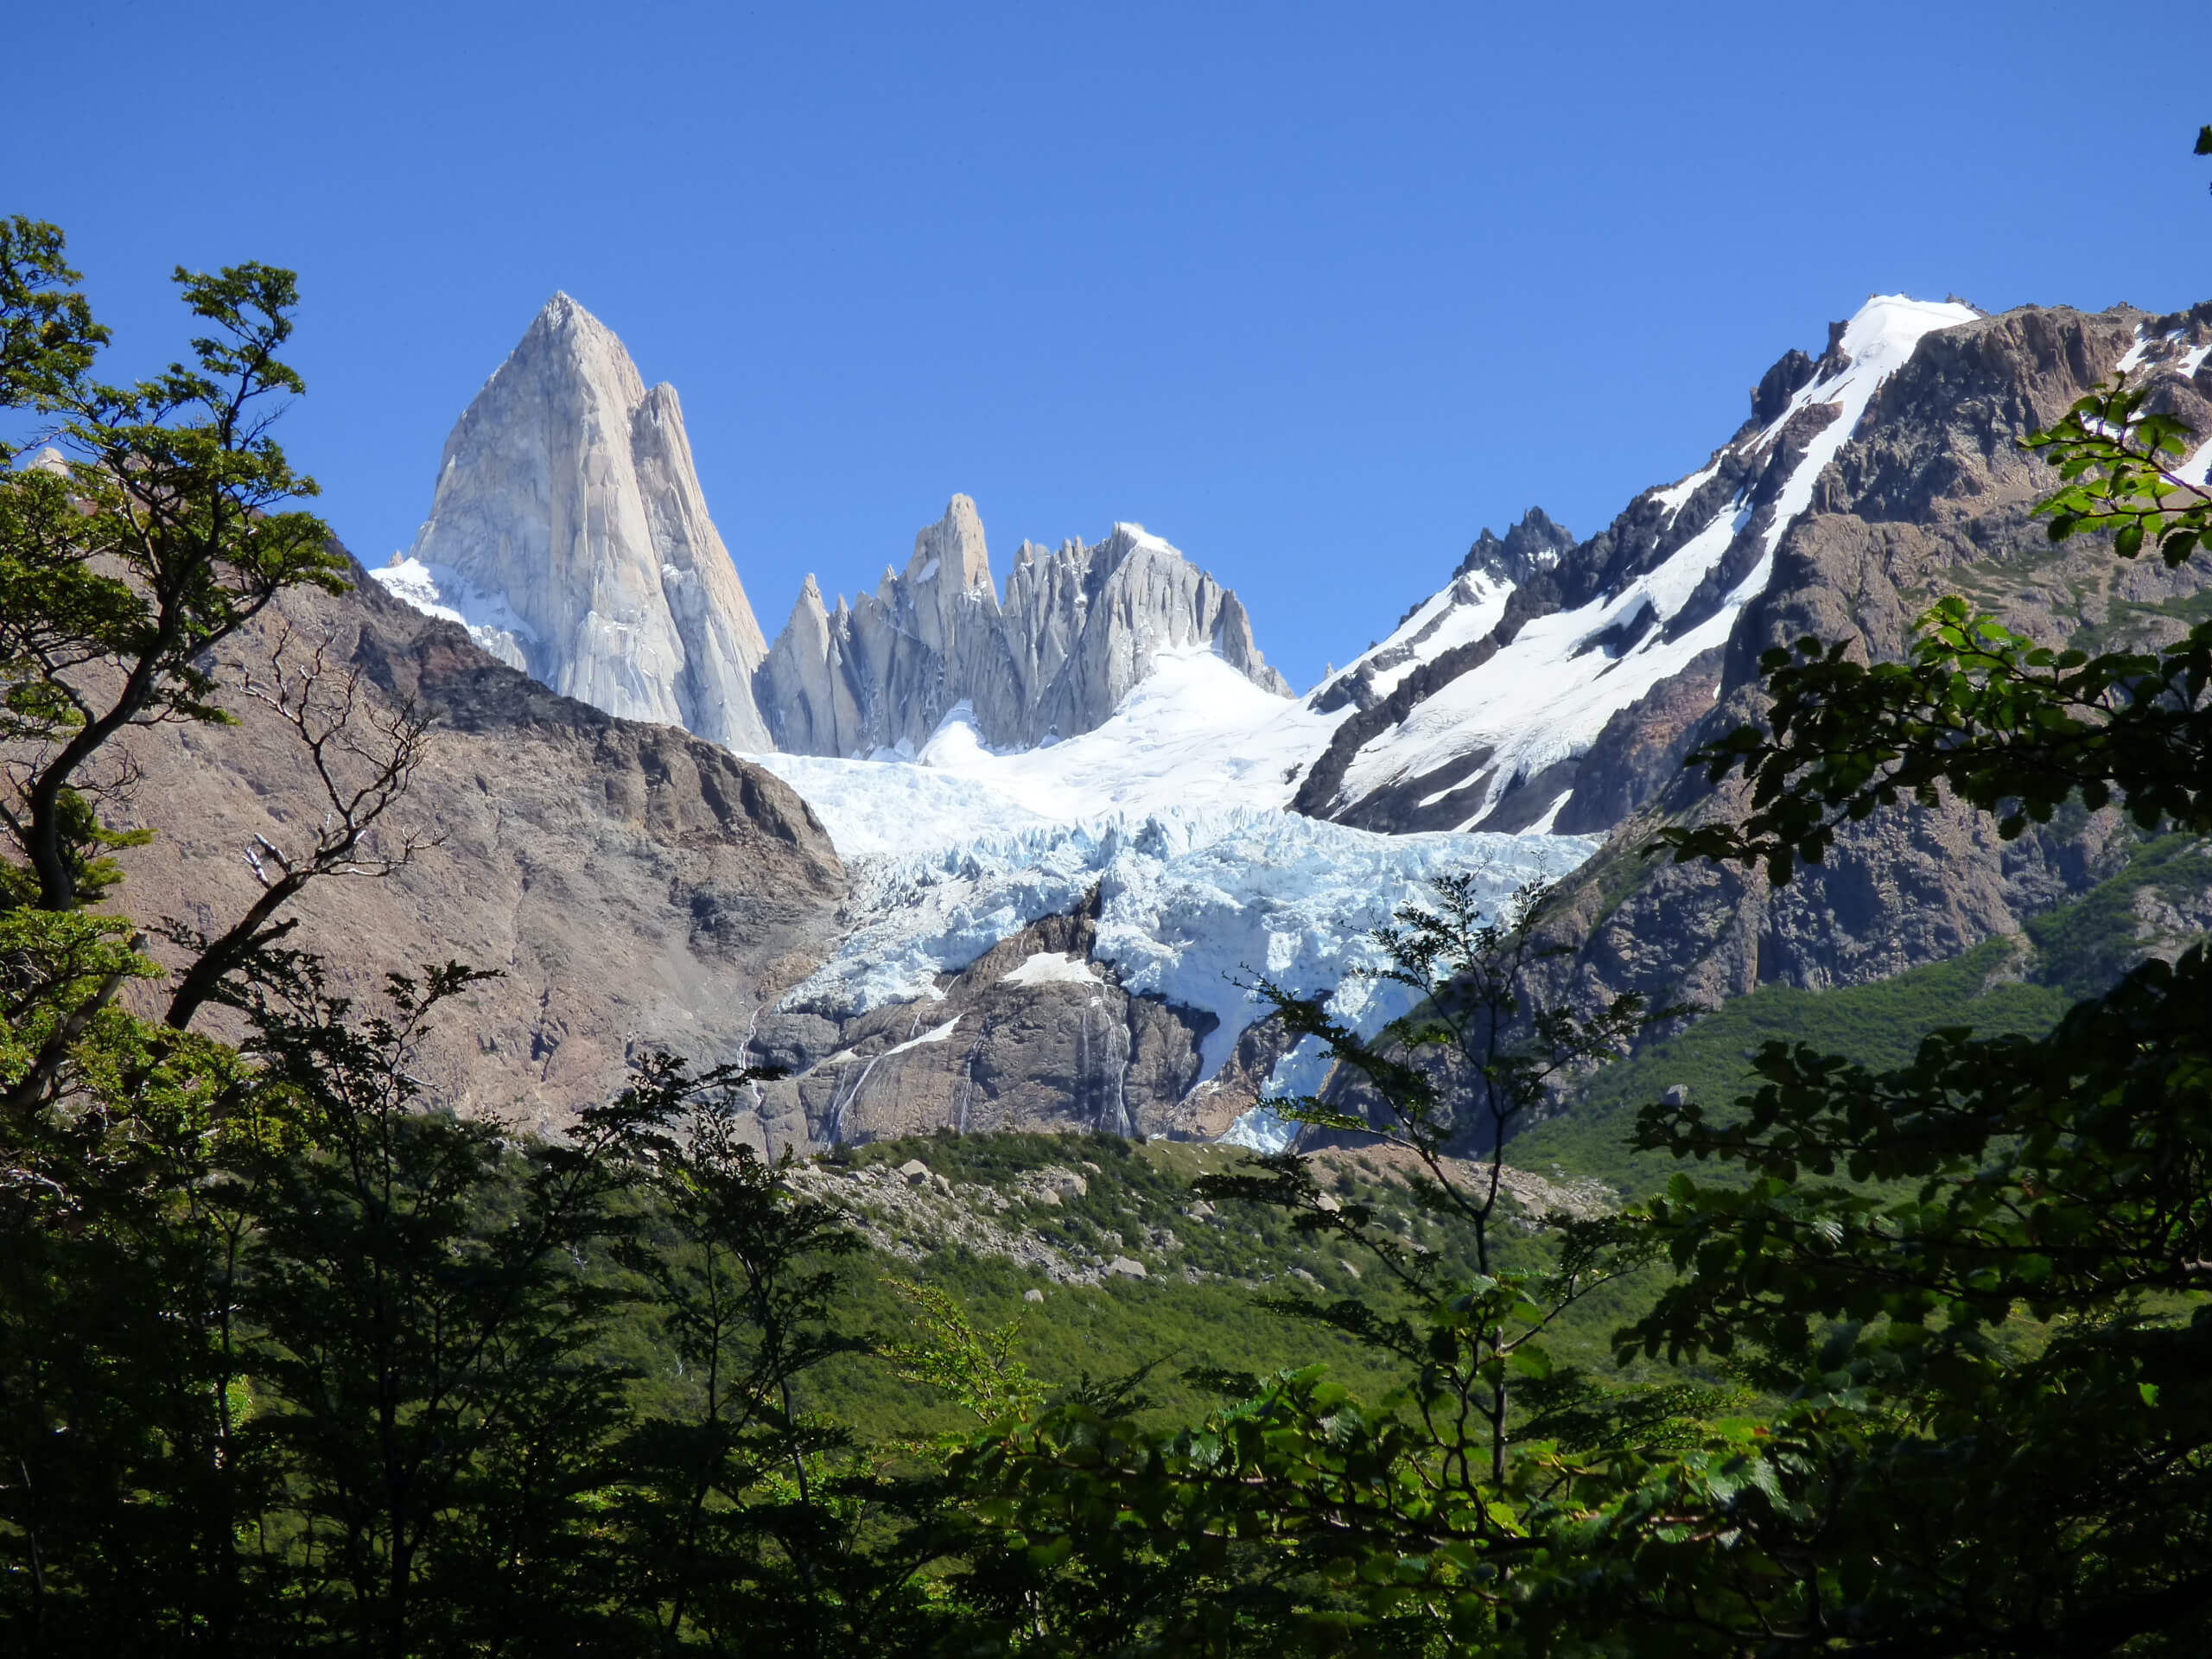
(1459, 613)
(1544, 697)
(437, 591)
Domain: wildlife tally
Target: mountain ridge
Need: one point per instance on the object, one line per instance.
(568, 531)
(1549, 689)
(1076, 631)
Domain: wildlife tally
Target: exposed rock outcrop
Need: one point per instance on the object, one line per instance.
(1078, 630)
(1033, 1035)
(1531, 546)
(568, 530)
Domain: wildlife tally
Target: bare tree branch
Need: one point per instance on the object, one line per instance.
(363, 757)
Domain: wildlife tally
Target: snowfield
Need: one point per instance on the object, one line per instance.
(436, 591)
(1193, 734)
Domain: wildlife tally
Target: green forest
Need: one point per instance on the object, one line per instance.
(1866, 1322)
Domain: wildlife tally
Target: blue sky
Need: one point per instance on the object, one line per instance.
(1314, 292)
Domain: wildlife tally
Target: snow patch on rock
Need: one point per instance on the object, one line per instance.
(934, 1034)
(1051, 968)
(439, 591)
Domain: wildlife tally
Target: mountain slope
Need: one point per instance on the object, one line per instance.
(1479, 711)
(634, 887)
(1932, 496)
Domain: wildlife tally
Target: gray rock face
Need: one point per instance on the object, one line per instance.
(1033, 1035)
(1078, 629)
(568, 524)
(1085, 623)
(1535, 545)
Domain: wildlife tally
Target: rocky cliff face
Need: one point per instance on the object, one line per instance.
(635, 887)
(569, 531)
(1078, 629)
(1033, 1035)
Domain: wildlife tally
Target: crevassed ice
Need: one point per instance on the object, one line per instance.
(1192, 906)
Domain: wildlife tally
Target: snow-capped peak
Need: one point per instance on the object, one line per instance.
(1529, 711)
(1875, 343)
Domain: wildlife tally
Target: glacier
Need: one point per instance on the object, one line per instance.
(1192, 903)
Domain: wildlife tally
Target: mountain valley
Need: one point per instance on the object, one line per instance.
(1046, 832)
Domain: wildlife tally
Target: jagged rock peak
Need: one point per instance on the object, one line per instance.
(1078, 629)
(951, 551)
(1536, 543)
(1771, 398)
(570, 530)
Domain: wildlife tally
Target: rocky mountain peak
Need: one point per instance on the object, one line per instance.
(951, 552)
(570, 531)
(808, 611)
(1771, 398)
(1533, 545)
(1078, 630)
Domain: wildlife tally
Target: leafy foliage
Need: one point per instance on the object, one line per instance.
(2012, 727)
(165, 529)
(1974, 1281)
